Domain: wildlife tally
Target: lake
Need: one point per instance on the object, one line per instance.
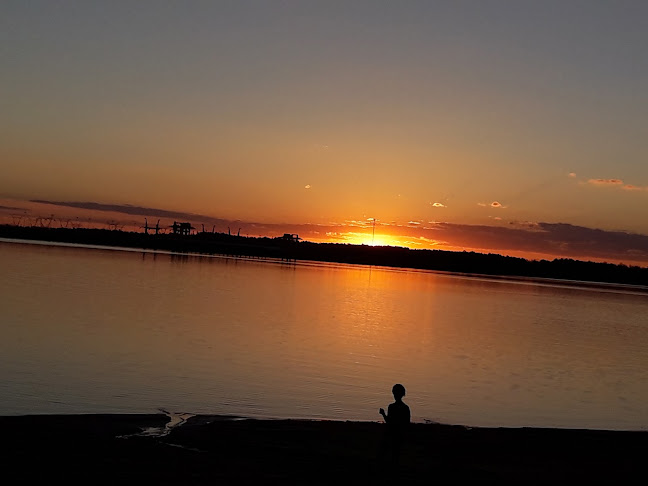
(90, 330)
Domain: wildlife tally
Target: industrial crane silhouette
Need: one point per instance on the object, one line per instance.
(213, 228)
(147, 227)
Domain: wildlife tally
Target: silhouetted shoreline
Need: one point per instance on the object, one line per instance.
(102, 449)
(492, 265)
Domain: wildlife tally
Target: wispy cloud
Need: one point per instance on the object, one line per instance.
(618, 183)
(358, 223)
(605, 182)
(129, 209)
(10, 208)
(532, 225)
(438, 205)
(494, 204)
(429, 241)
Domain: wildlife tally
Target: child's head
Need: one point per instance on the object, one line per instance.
(398, 390)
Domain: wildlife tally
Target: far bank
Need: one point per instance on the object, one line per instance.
(290, 248)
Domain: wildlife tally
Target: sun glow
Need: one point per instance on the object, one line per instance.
(373, 240)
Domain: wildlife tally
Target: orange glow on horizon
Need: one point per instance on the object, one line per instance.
(431, 236)
(374, 240)
(381, 239)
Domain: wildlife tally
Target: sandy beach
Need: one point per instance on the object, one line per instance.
(111, 449)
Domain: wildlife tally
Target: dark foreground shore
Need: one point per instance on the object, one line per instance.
(100, 449)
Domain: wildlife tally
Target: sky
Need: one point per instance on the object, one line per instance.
(512, 127)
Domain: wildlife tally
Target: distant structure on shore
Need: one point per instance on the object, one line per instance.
(289, 248)
(290, 238)
(147, 227)
(182, 229)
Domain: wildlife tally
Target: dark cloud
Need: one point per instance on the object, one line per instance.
(557, 239)
(596, 242)
(134, 210)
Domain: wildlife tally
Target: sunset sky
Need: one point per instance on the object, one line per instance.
(513, 127)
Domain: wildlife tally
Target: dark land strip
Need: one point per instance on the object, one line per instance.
(565, 270)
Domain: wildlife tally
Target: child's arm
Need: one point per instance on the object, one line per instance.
(382, 412)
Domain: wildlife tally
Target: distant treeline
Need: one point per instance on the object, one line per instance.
(439, 260)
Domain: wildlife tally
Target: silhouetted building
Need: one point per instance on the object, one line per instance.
(182, 229)
(290, 237)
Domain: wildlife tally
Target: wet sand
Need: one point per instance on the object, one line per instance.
(101, 449)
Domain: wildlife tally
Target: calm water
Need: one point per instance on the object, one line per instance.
(91, 330)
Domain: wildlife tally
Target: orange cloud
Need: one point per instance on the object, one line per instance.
(438, 205)
(616, 183)
(605, 182)
(355, 224)
(494, 204)
(430, 241)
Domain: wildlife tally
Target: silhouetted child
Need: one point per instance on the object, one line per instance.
(397, 418)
